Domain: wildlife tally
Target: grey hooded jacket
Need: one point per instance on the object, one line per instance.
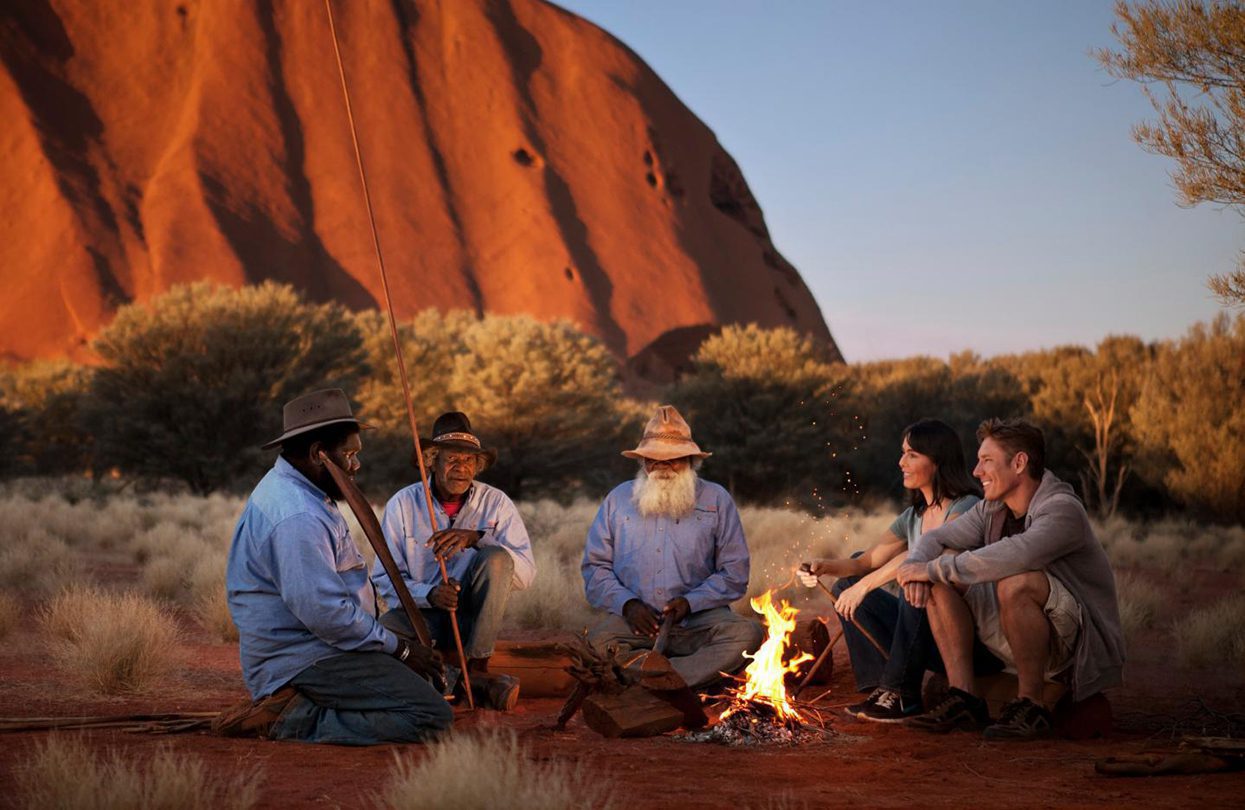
(1058, 539)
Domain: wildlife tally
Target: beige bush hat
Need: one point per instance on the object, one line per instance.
(666, 436)
(315, 410)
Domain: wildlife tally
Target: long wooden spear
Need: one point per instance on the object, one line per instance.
(397, 343)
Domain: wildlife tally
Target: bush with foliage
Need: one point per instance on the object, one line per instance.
(193, 381)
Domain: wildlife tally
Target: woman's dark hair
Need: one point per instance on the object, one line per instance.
(937, 439)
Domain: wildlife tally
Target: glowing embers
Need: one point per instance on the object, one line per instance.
(759, 711)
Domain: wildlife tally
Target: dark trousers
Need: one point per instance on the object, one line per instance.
(902, 630)
(362, 698)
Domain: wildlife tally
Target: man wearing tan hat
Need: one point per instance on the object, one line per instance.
(669, 545)
(318, 663)
(477, 531)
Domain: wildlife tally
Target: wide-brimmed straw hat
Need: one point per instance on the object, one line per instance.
(452, 430)
(666, 436)
(315, 410)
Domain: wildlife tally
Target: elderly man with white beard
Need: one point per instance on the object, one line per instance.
(670, 545)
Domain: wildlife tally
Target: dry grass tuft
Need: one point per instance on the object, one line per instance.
(64, 772)
(114, 642)
(515, 780)
(1213, 635)
(35, 562)
(10, 614)
(1139, 603)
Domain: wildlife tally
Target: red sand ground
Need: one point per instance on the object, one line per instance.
(878, 766)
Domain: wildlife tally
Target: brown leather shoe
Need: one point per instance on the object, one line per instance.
(500, 692)
(256, 719)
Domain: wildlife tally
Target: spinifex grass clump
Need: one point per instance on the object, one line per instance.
(113, 642)
(64, 772)
(501, 774)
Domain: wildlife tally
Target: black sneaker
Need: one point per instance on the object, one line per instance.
(1022, 719)
(960, 710)
(885, 706)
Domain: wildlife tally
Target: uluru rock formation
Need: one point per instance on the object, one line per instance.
(520, 160)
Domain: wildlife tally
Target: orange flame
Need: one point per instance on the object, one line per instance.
(764, 677)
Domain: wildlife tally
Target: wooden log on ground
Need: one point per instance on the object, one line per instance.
(810, 636)
(540, 668)
(635, 712)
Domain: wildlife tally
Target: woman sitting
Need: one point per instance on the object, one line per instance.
(941, 487)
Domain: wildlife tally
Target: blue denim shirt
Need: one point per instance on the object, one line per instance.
(407, 529)
(702, 557)
(298, 587)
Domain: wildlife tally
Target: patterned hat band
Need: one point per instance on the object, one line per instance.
(676, 437)
(457, 437)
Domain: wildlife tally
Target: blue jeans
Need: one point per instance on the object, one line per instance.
(481, 607)
(898, 627)
(362, 698)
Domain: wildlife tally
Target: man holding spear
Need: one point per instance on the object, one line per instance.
(485, 548)
(319, 665)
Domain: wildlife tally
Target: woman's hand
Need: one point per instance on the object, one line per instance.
(850, 600)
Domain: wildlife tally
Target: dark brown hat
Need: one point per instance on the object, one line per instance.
(453, 431)
(315, 410)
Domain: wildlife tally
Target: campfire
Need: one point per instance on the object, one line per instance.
(759, 711)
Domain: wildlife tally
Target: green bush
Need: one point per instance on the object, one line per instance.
(193, 381)
(40, 430)
(769, 408)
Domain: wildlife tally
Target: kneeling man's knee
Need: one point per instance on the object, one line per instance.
(751, 634)
(1031, 586)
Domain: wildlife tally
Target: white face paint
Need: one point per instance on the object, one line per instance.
(666, 493)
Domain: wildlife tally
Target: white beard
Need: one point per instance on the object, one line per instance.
(665, 497)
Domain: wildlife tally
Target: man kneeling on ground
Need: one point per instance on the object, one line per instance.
(669, 545)
(479, 534)
(318, 663)
(1023, 575)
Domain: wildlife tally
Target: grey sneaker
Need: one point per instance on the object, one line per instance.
(885, 706)
(960, 710)
(1021, 719)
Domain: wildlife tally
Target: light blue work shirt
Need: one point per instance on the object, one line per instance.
(407, 529)
(298, 587)
(702, 557)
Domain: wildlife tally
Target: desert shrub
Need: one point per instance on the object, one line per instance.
(1139, 602)
(545, 395)
(1213, 635)
(749, 386)
(36, 563)
(438, 778)
(1189, 421)
(43, 400)
(10, 614)
(193, 381)
(64, 772)
(113, 642)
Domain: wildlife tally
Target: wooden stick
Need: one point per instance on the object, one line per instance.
(808, 677)
(868, 636)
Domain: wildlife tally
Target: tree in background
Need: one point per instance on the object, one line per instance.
(1195, 51)
(193, 381)
(430, 342)
(1082, 399)
(772, 411)
(548, 397)
(895, 393)
(1190, 422)
(44, 400)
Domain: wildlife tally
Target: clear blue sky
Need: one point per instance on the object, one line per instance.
(945, 175)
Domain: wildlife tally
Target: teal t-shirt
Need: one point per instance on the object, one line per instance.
(908, 525)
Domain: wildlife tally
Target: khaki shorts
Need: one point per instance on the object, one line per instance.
(1062, 611)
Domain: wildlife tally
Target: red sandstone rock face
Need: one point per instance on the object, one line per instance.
(520, 160)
